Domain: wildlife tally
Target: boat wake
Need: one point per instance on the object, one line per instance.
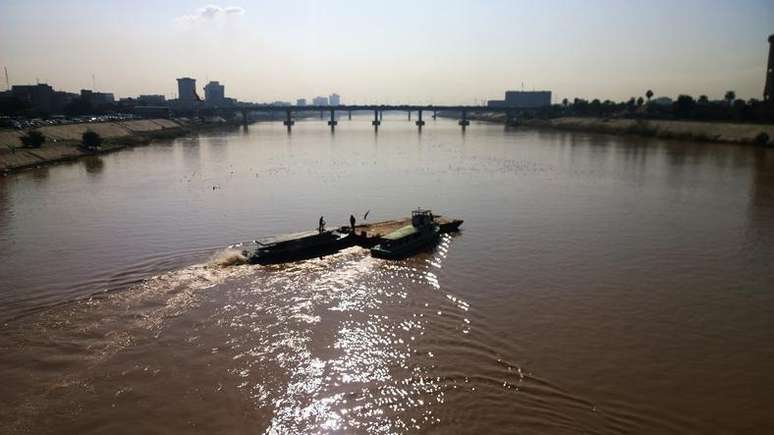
(227, 257)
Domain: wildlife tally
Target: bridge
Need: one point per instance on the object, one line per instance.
(378, 111)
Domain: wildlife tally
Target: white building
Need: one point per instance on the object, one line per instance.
(334, 100)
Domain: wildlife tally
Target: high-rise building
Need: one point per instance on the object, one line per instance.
(320, 101)
(186, 91)
(768, 90)
(214, 94)
(301, 102)
(334, 100)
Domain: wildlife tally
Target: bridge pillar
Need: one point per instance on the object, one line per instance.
(464, 121)
(381, 115)
(435, 115)
(244, 118)
(288, 120)
(376, 120)
(409, 115)
(350, 115)
(333, 121)
(420, 123)
(322, 114)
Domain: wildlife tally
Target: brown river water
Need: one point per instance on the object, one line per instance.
(600, 284)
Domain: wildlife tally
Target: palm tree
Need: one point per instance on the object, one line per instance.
(649, 95)
(640, 101)
(565, 102)
(730, 96)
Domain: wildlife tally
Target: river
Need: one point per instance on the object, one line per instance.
(600, 284)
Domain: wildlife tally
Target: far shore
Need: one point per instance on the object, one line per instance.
(63, 141)
(720, 132)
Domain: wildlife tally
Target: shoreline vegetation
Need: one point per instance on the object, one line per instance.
(699, 131)
(63, 142)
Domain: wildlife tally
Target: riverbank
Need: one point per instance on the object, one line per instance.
(746, 134)
(724, 132)
(63, 141)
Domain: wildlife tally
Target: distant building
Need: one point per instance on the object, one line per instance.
(661, 101)
(214, 94)
(96, 99)
(61, 100)
(40, 97)
(768, 90)
(334, 100)
(152, 100)
(320, 101)
(527, 99)
(301, 102)
(523, 99)
(186, 92)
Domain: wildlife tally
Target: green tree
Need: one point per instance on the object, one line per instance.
(684, 106)
(649, 95)
(33, 139)
(91, 140)
(703, 99)
(565, 102)
(640, 101)
(730, 96)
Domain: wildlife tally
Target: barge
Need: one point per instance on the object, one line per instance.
(312, 244)
(422, 232)
(295, 247)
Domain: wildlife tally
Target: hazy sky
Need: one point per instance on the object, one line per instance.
(390, 51)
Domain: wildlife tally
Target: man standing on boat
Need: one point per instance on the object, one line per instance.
(352, 222)
(321, 228)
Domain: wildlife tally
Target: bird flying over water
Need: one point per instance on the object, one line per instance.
(365, 216)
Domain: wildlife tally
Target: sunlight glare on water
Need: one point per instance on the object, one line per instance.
(359, 377)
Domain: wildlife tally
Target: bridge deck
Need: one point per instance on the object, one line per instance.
(371, 107)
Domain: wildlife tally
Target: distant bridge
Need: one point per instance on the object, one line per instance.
(378, 111)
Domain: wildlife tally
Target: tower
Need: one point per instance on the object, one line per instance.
(768, 91)
(214, 94)
(186, 91)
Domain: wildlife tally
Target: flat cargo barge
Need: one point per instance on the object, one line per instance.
(369, 235)
(313, 244)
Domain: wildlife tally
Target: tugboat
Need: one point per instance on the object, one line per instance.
(409, 239)
(295, 247)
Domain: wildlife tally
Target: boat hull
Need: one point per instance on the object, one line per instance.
(302, 249)
(391, 250)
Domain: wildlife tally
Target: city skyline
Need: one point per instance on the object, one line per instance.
(264, 52)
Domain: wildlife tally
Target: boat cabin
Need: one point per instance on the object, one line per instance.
(420, 218)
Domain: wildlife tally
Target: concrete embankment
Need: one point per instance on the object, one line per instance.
(62, 141)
